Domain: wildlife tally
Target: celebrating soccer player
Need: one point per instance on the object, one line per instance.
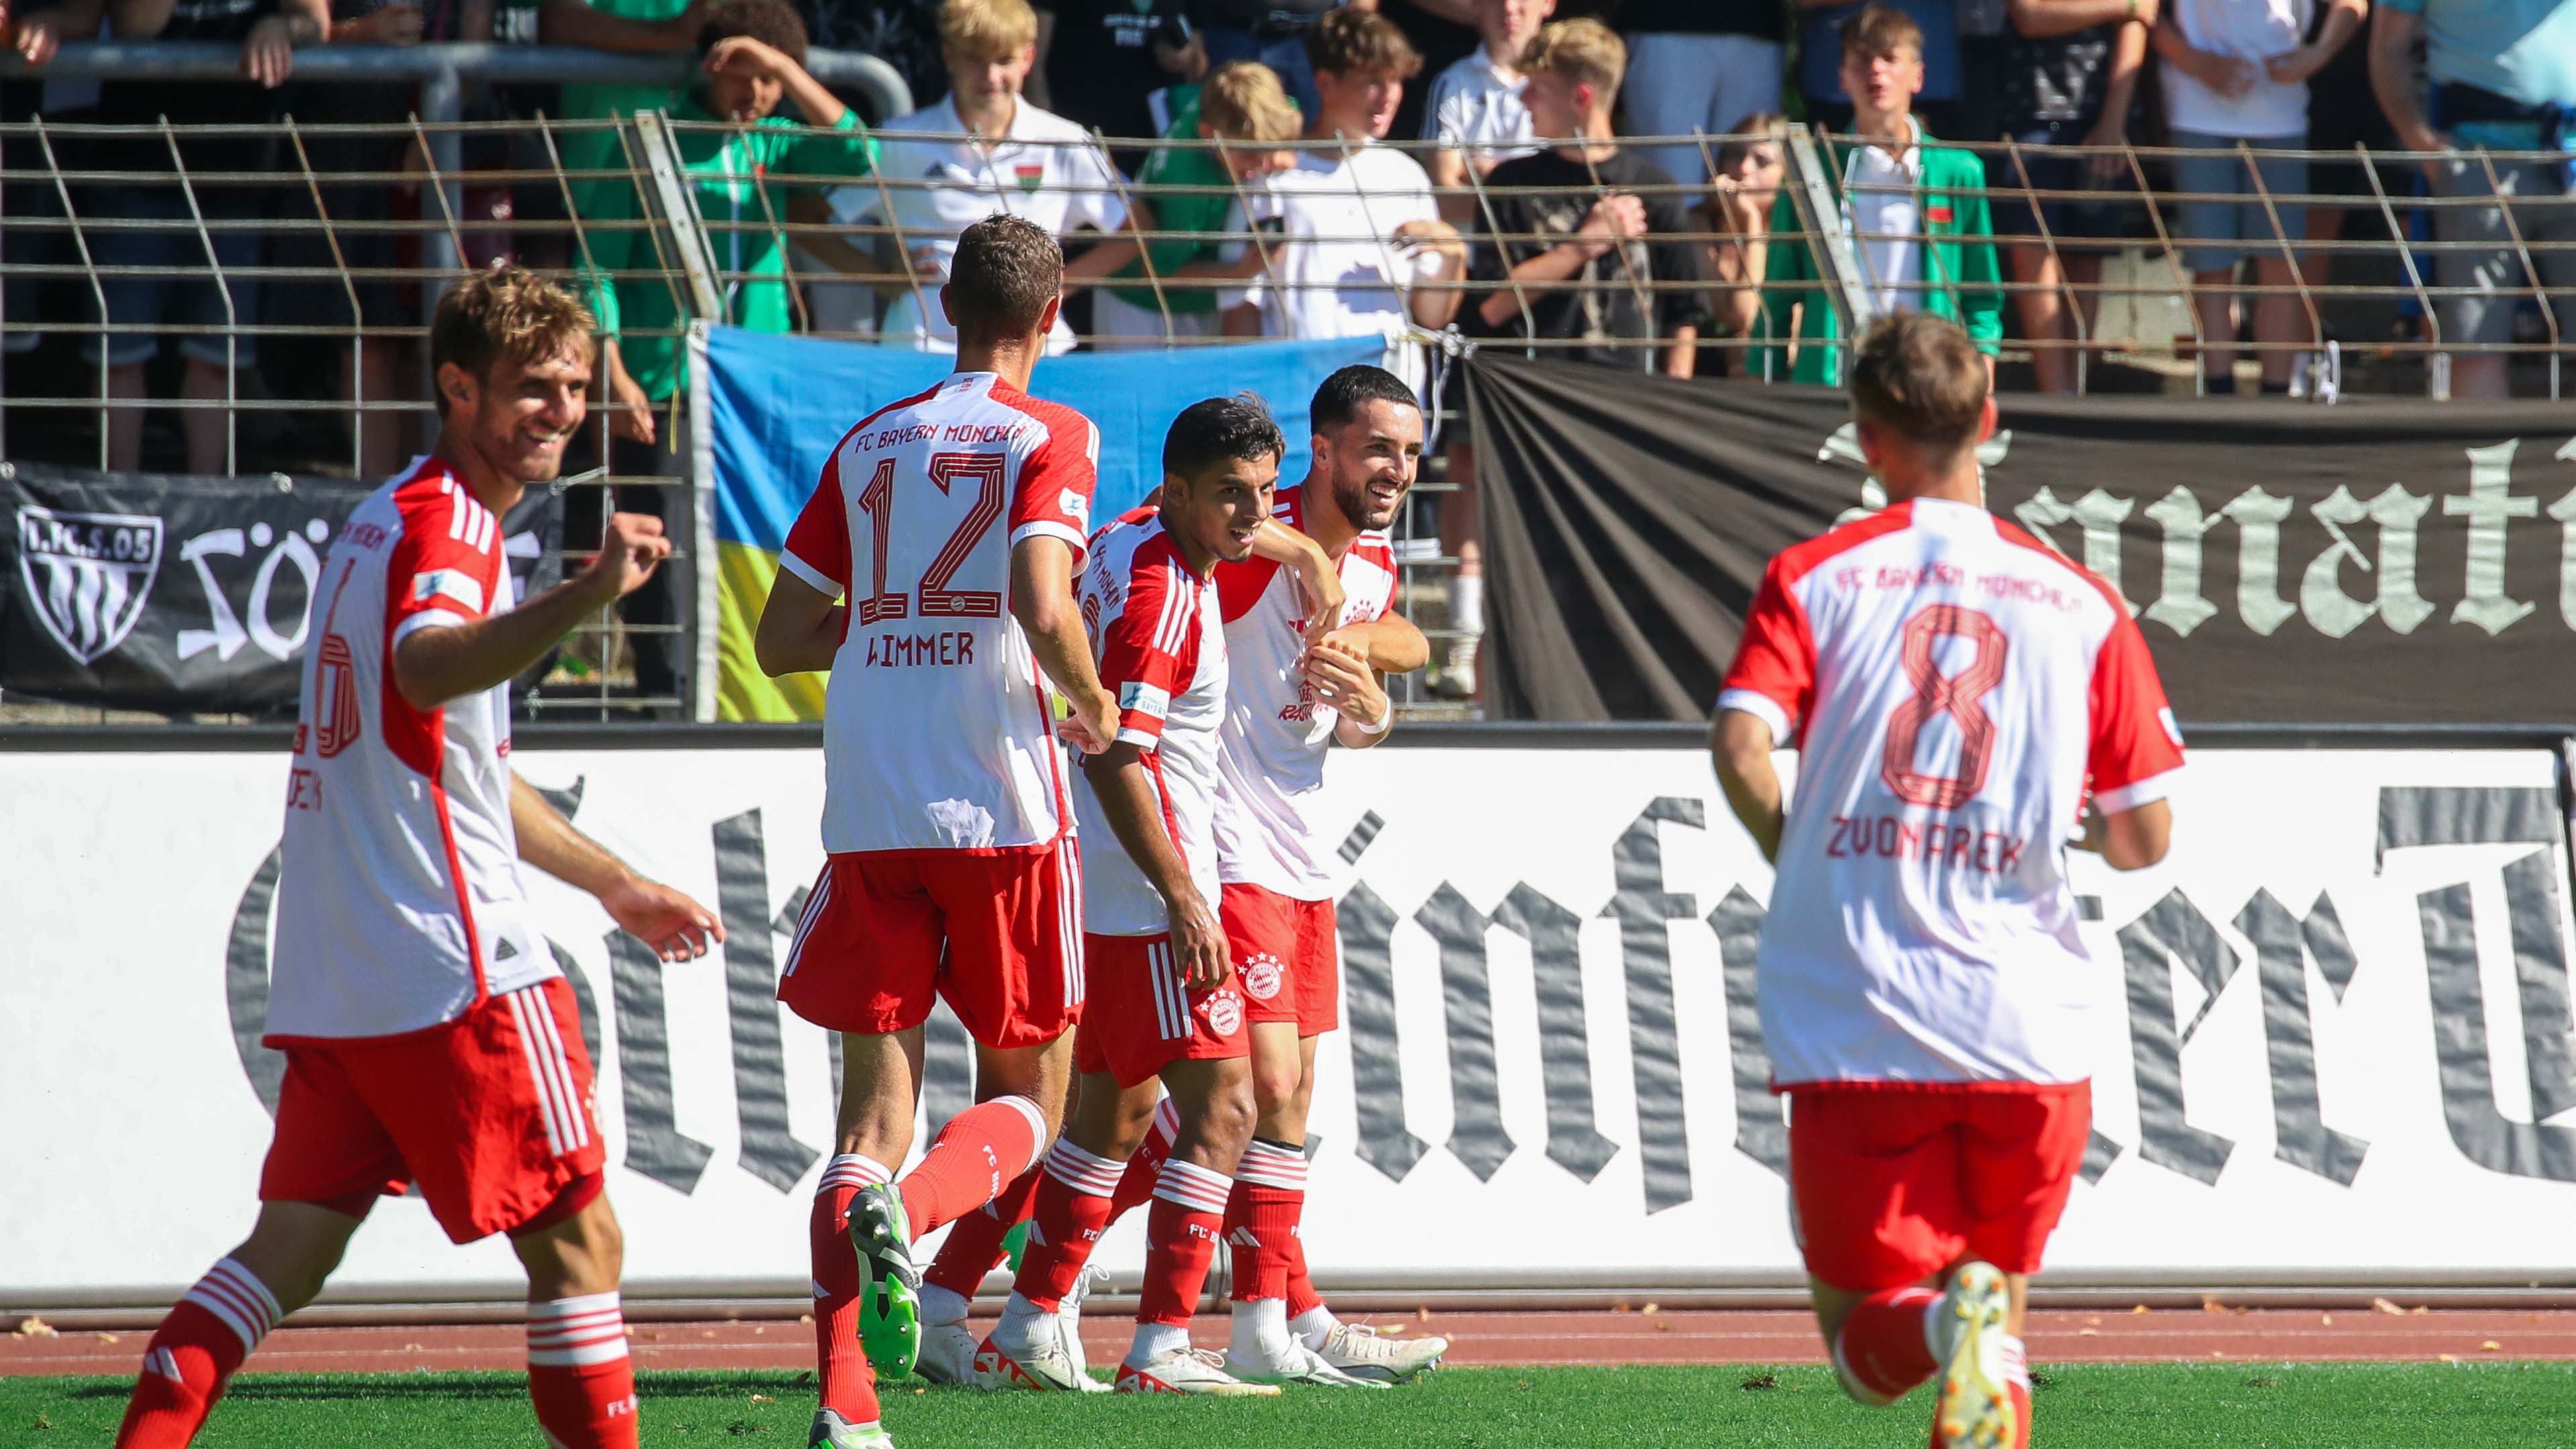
(1169, 1004)
(1959, 695)
(430, 1038)
(953, 520)
(1286, 702)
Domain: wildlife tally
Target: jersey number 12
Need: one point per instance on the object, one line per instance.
(938, 600)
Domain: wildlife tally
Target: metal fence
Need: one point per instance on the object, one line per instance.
(309, 266)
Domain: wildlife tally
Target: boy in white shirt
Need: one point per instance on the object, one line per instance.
(982, 152)
(1350, 242)
(2238, 70)
(1475, 112)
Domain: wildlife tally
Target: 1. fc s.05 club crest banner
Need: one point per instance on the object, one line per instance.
(149, 591)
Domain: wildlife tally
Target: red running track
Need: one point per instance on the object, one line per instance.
(1644, 1337)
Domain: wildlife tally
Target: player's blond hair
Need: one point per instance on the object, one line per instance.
(987, 28)
(1919, 377)
(1244, 101)
(1583, 51)
(506, 313)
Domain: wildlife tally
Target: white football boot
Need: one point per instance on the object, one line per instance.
(1974, 1409)
(1188, 1371)
(1364, 1353)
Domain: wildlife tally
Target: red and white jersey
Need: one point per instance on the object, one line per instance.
(399, 904)
(1161, 647)
(1954, 688)
(1270, 761)
(937, 731)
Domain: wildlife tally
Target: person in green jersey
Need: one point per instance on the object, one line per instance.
(1245, 106)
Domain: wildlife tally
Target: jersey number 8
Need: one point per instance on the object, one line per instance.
(938, 601)
(1961, 696)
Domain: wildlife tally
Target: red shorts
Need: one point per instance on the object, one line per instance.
(1288, 955)
(1146, 1019)
(1891, 1182)
(999, 935)
(490, 1114)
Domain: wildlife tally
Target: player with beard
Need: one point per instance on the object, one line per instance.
(430, 1038)
(1286, 704)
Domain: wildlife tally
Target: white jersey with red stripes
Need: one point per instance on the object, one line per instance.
(399, 903)
(1270, 760)
(1954, 688)
(937, 731)
(1162, 651)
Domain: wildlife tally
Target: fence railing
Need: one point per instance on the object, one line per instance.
(295, 286)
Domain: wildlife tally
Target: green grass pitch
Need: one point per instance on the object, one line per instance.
(2240, 1406)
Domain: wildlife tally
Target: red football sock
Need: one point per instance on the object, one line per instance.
(192, 1355)
(1261, 1218)
(847, 1386)
(1145, 1168)
(1302, 1297)
(1181, 1233)
(1883, 1352)
(1072, 1210)
(972, 1160)
(974, 1245)
(578, 1374)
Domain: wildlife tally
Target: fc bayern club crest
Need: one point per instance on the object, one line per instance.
(87, 575)
(1261, 976)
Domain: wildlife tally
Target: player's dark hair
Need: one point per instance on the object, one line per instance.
(1221, 430)
(1354, 387)
(773, 23)
(1920, 377)
(1005, 272)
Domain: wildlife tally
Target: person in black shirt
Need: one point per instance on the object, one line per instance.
(1586, 254)
(1101, 61)
(268, 32)
(2070, 79)
(1701, 66)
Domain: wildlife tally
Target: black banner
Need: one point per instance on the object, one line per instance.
(2390, 562)
(149, 591)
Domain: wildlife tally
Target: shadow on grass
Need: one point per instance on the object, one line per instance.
(309, 1388)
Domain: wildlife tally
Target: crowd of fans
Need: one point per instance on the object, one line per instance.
(1534, 223)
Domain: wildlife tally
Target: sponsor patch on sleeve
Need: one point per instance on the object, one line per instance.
(1141, 698)
(2173, 730)
(1074, 506)
(454, 584)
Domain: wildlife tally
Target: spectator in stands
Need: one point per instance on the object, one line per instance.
(902, 33)
(1701, 66)
(753, 58)
(1354, 242)
(268, 31)
(1737, 219)
(2343, 115)
(1475, 116)
(1104, 64)
(1829, 97)
(627, 27)
(1272, 32)
(1584, 244)
(1916, 213)
(2504, 78)
(2070, 79)
(33, 35)
(2237, 70)
(983, 151)
(1243, 105)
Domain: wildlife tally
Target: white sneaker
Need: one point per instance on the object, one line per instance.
(1188, 1371)
(947, 1354)
(1457, 676)
(1041, 1364)
(831, 1431)
(1360, 1351)
(1069, 1317)
(1974, 1409)
(1301, 1365)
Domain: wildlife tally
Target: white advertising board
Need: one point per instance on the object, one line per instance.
(2334, 1028)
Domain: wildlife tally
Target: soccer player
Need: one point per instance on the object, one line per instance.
(1959, 695)
(953, 520)
(1286, 705)
(1169, 1003)
(430, 1038)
